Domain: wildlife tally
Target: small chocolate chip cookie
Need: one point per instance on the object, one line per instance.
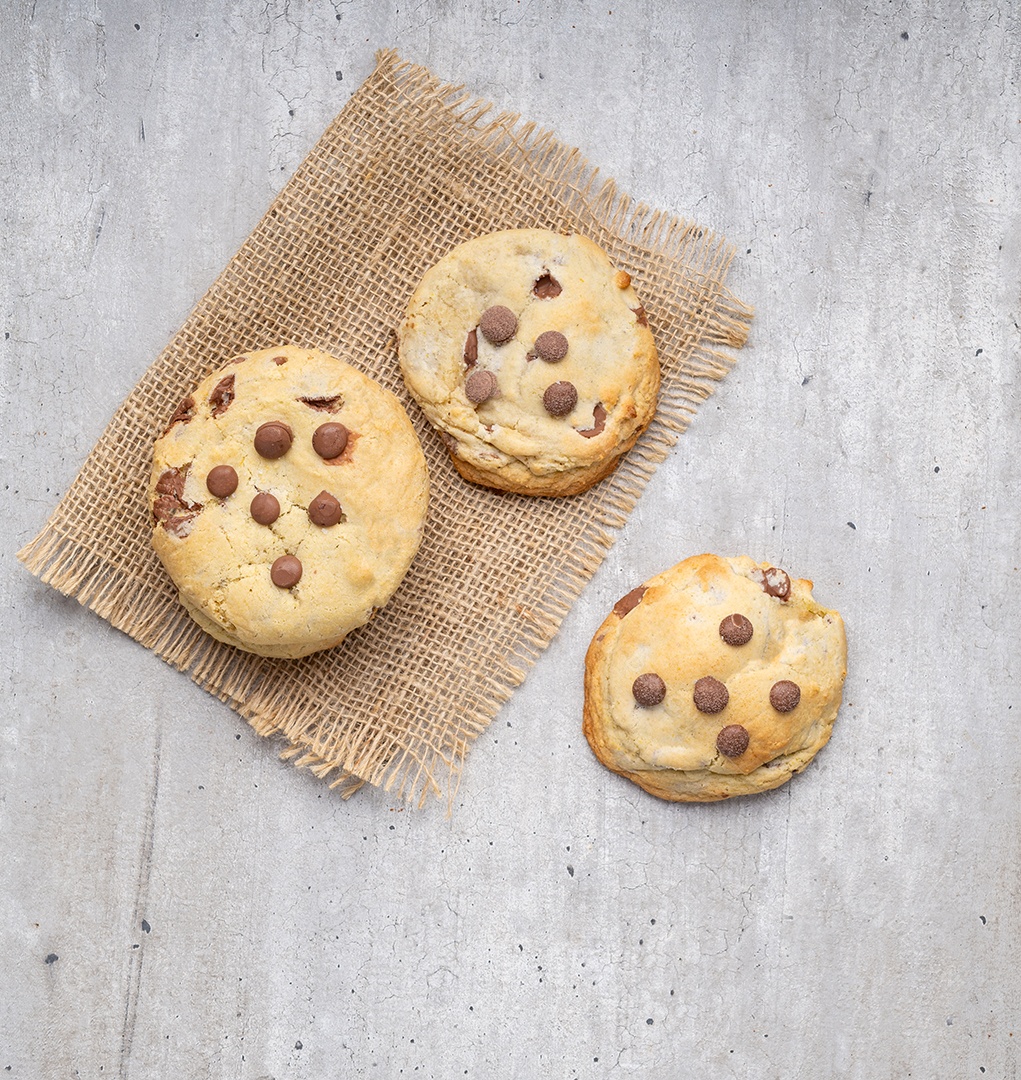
(532, 357)
(272, 499)
(719, 677)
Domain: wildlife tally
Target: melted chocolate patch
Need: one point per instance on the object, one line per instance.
(169, 508)
(329, 403)
(774, 582)
(547, 287)
(185, 411)
(599, 423)
(629, 602)
(222, 395)
(471, 348)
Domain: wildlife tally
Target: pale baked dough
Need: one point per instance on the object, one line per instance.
(220, 558)
(510, 441)
(671, 627)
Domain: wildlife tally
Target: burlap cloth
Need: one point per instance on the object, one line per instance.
(408, 169)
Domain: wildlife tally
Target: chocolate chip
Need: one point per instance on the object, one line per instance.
(599, 423)
(325, 510)
(480, 386)
(326, 403)
(285, 572)
(774, 582)
(710, 695)
(265, 508)
(498, 324)
(642, 319)
(471, 348)
(185, 411)
(784, 695)
(560, 398)
(239, 359)
(222, 395)
(629, 602)
(736, 630)
(732, 740)
(222, 481)
(329, 440)
(547, 287)
(273, 439)
(278, 360)
(648, 689)
(551, 346)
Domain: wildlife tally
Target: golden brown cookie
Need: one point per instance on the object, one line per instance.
(532, 356)
(273, 500)
(718, 677)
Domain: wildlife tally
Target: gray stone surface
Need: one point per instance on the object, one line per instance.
(177, 902)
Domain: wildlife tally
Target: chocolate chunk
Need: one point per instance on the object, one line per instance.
(325, 510)
(629, 602)
(278, 360)
(547, 287)
(222, 481)
(732, 740)
(265, 508)
(642, 319)
(327, 403)
(222, 395)
(560, 398)
(180, 525)
(498, 324)
(599, 423)
(710, 695)
(648, 689)
(471, 348)
(171, 482)
(736, 630)
(785, 695)
(774, 582)
(239, 359)
(480, 386)
(551, 346)
(169, 508)
(185, 411)
(273, 439)
(329, 440)
(285, 572)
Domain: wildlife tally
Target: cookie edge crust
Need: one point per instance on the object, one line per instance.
(674, 785)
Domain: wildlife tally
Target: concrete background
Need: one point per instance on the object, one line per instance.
(177, 902)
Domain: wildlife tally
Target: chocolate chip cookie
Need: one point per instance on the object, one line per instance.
(273, 500)
(719, 677)
(532, 357)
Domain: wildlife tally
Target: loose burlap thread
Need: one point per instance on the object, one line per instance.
(408, 169)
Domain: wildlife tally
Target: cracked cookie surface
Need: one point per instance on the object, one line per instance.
(718, 677)
(532, 357)
(272, 500)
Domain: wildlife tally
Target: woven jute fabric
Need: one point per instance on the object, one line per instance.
(410, 168)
